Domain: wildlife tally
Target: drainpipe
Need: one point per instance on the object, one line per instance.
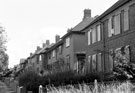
(104, 46)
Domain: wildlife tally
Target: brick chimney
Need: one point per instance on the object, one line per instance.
(31, 54)
(47, 42)
(87, 14)
(38, 48)
(44, 45)
(57, 38)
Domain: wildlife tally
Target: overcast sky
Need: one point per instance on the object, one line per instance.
(29, 23)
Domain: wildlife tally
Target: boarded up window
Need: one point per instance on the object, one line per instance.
(89, 37)
(94, 67)
(111, 59)
(117, 24)
(68, 61)
(94, 35)
(126, 20)
(89, 63)
(132, 16)
(109, 28)
(98, 33)
(99, 63)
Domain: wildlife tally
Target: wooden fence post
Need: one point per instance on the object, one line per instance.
(95, 86)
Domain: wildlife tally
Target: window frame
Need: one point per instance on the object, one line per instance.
(67, 41)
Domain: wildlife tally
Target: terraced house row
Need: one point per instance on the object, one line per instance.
(95, 45)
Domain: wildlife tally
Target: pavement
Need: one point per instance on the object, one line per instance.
(5, 89)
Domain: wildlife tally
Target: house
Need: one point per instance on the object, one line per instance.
(74, 50)
(110, 38)
(55, 55)
(69, 51)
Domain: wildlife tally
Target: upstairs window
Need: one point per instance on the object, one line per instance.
(60, 49)
(53, 53)
(124, 20)
(114, 25)
(89, 37)
(93, 35)
(49, 55)
(117, 24)
(132, 16)
(98, 32)
(40, 58)
(67, 42)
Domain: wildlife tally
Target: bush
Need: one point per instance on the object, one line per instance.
(68, 77)
(30, 80)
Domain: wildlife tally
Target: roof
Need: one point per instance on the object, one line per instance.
(72, 32)
(118, 4)
(55, 45)
(44, 49)
(41, 51)
(83, 24)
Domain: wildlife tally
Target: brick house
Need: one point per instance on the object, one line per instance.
(71, 48)
(110, 37)
(74, 50)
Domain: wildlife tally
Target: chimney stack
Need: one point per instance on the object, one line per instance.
(44, 45)
(87, 14)
(38, 48)
(31, 54)
(57, 38)
(47, 42)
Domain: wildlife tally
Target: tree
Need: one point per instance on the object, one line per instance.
(3, 55)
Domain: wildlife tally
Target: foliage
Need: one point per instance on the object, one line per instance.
(125, 87)
(3, 55)
(124, 71)
(68, 77)
(30, 80)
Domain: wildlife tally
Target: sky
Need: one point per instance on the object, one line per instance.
(28, 23)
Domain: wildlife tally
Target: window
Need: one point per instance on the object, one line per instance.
(111, 59)
(99, 62)
(89, 37)
(89, 63)
(93, 35)
(109, 29)
(112, 21)
(67, 42)
(132, 16)
(94, 67)
(124, 20)
(49, 55)
(60, 49)
(68, 61)
(117, 24)
(53, 53)
(40, 57)
(98, 33)
(114, 25)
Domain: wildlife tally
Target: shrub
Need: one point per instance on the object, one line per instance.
(30, 80)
